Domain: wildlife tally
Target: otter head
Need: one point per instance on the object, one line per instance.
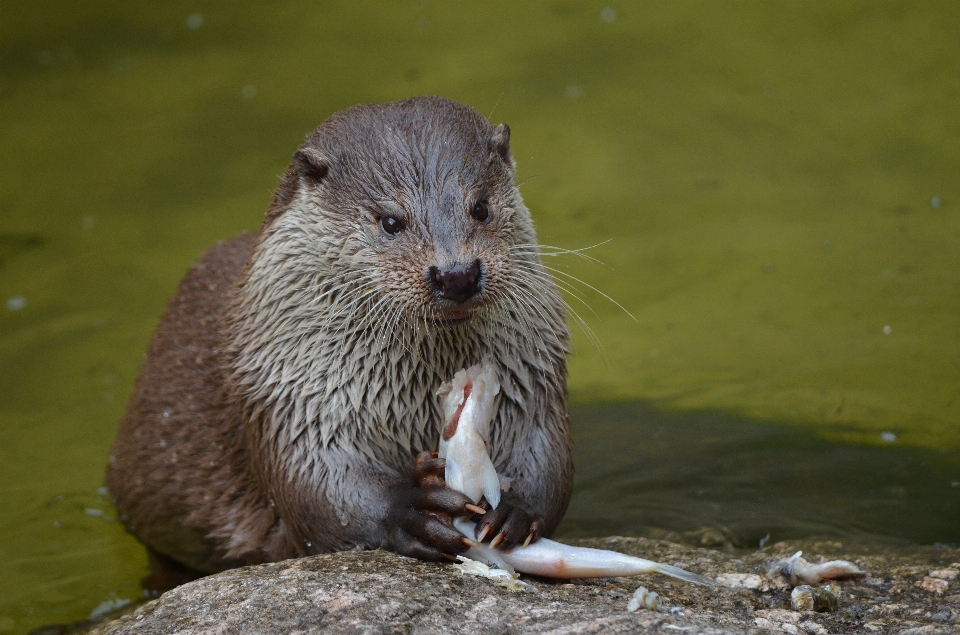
(397, 251)
(421, 197)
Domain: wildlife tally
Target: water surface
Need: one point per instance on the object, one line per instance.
(712, 479)
(779, 181)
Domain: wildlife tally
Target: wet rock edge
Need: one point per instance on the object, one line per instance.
(376, 591)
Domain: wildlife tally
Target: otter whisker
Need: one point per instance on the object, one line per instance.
(538, 306)
(301, 313)
(532, 335)
(551, 250)
(363, 293)
(339, 316)
(327, 281)
(381, 317)
(429, 339)
(388, 322)
(311, 318)
(412, 334)
(591, 287)
(570, 289)
(513, 301)
(537, 287)
(373, 323)
(360, 273)
(536, 268)
(504, 302)
(344, 325)
(526, 275)
(515, 298)
(406, 333)
(383, 326)
(554, 254)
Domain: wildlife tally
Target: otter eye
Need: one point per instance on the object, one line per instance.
(391, 225)
(481, 212)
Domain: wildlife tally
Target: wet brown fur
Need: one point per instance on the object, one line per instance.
(291, 381)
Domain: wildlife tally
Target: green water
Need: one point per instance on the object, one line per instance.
(708, 478)
(779, 181)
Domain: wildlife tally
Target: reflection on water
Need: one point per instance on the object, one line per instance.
(706, 478)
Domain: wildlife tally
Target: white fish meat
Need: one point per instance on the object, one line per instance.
(468, 402)
(642, 598)
(798, 571)
(468, 406)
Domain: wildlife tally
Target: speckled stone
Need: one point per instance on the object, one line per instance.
(380, 592)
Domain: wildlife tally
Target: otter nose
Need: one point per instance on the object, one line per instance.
(458, 283)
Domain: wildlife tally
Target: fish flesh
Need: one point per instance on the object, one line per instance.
(644, 599)
(798, 571)
(468, 402)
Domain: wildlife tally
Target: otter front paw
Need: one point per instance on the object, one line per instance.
(420, 518)
(513, 522)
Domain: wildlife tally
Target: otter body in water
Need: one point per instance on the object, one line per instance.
(293, 379)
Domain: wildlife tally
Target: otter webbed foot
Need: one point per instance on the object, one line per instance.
(512, 523)
(421, 523)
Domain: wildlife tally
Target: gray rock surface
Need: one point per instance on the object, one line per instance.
(908, 591)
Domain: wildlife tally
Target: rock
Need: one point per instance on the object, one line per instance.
(812, 628)
(934, 585)
(380, 592)
(745, 580)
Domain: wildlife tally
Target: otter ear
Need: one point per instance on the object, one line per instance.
(312, 165)
(500, 143)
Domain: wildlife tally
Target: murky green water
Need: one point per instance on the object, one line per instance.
(712, 479)
(780, 181)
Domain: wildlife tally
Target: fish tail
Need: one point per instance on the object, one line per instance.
(677, 572)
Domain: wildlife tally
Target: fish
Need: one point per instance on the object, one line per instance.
(798, 571)
(468, 404)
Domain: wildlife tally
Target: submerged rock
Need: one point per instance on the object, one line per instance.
(380, 592)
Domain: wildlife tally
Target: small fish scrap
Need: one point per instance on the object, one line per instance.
(642, 598)
(798, 571)
(502, 577)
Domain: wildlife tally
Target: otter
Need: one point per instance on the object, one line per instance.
(290, 388)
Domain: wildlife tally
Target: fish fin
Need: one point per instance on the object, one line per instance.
(677, 572)
(491, 484)
(453, 475)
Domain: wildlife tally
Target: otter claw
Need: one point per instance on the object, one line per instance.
(528, 540)
(483, 533)
(498, 539)
(475, 509)
(467, 542)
